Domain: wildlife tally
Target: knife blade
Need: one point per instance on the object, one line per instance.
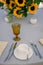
(14, 46)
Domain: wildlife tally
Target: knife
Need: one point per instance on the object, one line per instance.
(12, 51)
(34, 49)
(37, 51)
(40, 56)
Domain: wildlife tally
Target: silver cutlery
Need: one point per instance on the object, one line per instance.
(40, 56)
(35, 48)
(14, 46)
(11, 50)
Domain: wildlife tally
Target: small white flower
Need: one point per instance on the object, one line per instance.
(41, 41)
(6, 19)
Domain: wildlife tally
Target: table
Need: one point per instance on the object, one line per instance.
(28, 32)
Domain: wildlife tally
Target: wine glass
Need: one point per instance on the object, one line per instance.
(16, 30)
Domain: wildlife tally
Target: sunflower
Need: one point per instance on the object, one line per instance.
(12, 4)
(33, 8)
(3, 1)
(20, 3)
(16, 12)
(7, 2)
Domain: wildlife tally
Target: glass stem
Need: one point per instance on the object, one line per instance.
(16, 36)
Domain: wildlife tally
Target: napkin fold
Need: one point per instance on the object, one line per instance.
(41, 41)
(3, 45)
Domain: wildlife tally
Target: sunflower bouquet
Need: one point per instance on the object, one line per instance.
(20, 8)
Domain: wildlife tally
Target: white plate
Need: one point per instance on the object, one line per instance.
(23, 52)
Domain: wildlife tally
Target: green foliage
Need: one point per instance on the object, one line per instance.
(41, 0)
(37, 1)
(10, 12)
(30, 1)
(1, 4)
(23, 10)
(25, 14)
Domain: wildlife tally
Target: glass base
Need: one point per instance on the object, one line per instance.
(16, 38)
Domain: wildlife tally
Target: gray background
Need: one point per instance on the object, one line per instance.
(28, 32)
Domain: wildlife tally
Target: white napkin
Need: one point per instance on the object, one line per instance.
(41, 41)
(3, 45)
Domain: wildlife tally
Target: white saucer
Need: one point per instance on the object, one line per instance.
(23, 52)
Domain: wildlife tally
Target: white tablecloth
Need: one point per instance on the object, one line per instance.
(28, 32)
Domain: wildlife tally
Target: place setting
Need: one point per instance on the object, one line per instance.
(21, 51)
(21, 32)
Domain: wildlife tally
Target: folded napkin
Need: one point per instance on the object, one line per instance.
(3, 45)
(41, 41)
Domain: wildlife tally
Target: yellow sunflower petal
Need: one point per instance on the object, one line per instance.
(20, 2)
(11, 5)
(16, 14)
(33, 8)
(3, 1)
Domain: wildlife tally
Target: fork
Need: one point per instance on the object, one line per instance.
(35, 48)
(40, 56)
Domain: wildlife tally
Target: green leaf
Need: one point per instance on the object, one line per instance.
(10, 12)
(37, 1)
(1, 4)
(25, 9)
(25, 14)
(30, 1)
(41, 0)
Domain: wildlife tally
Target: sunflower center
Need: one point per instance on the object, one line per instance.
(18, 12)
(32, 8)
(12, 5)
(8, 1)
(20, 1)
